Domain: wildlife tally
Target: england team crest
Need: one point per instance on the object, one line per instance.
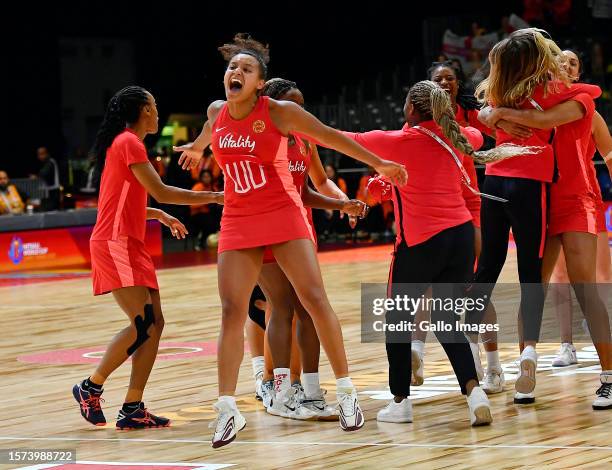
(259, 126)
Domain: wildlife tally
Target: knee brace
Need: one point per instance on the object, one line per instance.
(255, 314)
(142, 324)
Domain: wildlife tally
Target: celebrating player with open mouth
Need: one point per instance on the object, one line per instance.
(248, 133)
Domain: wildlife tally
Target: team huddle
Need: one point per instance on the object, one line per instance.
(540, 183)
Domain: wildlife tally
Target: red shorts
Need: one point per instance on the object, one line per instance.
(250, 231)
(120, 263)
(601, 218)
(582, 219)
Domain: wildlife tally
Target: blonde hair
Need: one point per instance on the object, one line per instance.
(521, 62)
(432, 101)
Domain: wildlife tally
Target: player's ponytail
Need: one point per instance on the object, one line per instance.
(433, 102)
(123, 108)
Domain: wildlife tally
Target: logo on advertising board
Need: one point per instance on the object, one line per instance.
(15, 252)
(20, 250)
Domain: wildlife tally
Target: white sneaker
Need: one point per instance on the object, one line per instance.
(479, 407)
(493, 381)
(526, 381)
(524, 398)
(267, 393)
(566, 356)
(604, 393)
(396, 412)
(417, 368)
(475, 347)
(319, 407)
(287, 404)
(351, 416)
(229, 422)
(258, 386)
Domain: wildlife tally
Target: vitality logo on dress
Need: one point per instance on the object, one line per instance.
(228, 141)
(297, 167)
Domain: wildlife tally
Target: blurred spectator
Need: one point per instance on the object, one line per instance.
(205, 218)
(158, 163)
(330, 170)
(12, 201)
(176, 176)
(209, 163)
(49, 173)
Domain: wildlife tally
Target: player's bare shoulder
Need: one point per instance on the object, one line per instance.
(213, 110)
(283, 114)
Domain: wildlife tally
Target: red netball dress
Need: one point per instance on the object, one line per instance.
(573, 198)
(592, 174)
(262, 206)
(118, 254)
(298, 156)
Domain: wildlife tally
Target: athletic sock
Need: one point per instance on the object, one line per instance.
(312, 386)
(344, 384)
(493, 360)
(258, 363)
(418, 345)
(228, 399)
(282, 379)
(90, 386)
(129, 408)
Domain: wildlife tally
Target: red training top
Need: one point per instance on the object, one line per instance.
(432, 199)
(122, 205)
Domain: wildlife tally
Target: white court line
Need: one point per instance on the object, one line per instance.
(195, 465)
(160, 464)
(303, 443)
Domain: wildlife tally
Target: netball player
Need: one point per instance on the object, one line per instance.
(435, 241)
(263, 208)
(523, 71)
(263, 368)
(465, 106)
(573, 217)
(293, 401)
(119, 259)
(603, 142)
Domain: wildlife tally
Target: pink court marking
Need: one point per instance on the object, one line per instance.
(93, 355)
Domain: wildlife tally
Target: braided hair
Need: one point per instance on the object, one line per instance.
(465, 97)
(244, 44)
(123, 108)
(433, 102)
(277, 87)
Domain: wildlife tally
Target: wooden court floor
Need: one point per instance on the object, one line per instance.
(41, 322)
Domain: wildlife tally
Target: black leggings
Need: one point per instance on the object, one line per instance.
(525, 212)
(447, 257)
